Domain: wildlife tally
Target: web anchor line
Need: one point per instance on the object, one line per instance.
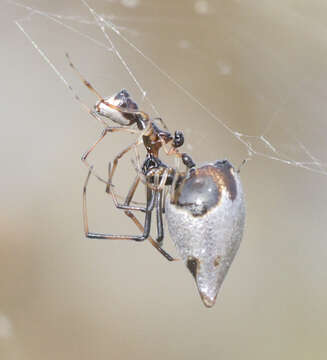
(312, 164)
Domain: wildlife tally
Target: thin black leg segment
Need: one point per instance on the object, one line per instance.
(147, 223)
(160, 230)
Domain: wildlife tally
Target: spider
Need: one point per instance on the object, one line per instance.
(204, 208)
(154, 173)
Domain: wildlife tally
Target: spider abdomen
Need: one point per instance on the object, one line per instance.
(205, 216)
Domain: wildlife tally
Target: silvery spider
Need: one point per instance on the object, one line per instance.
(203, 206)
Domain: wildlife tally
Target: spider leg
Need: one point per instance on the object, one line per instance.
(151, 200)
(128, 200)
(156, 244)
(158, 185)
(173, 187)
(147, 222)
(87, 109)
(172, 151)
(152, 242)
(160, 230)
(126, 206)
(98, 95)
(138, 159)
(163, 180)
(115, 162)
(165, 192)
(164, 175)
(123, 152)
(90, 111)
(162, 122)
(85, 82)
(104, 133)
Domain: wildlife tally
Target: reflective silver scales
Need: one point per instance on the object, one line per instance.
(205, 215)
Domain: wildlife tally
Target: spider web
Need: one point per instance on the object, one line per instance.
(122, 40)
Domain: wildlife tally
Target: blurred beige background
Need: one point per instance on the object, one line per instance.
(260, 67)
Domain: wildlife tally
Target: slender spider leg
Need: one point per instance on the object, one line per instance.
(122, 153)
(158, 242)
(172, 189)
(126, 206)
(160, 230)
(165, 192)
(158, 193)
(151, 201)
(147, 222)
(163, 180)
(104, 133)
(161, 122)
(172, 151)
(164, 172)
(137, 156)
(117, 158)
(152, 242)
(85, 82)
(88, 110)
(98, 95)
(158, 185)
(128, 200)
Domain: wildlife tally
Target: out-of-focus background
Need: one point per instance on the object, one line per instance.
(259, 70)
